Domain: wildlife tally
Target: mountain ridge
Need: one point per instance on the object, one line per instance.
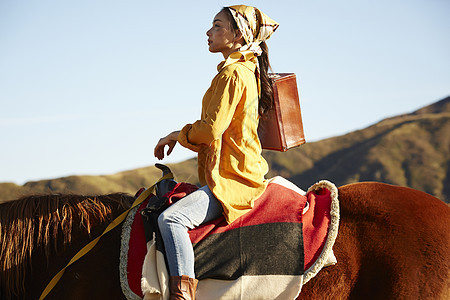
(411, 150)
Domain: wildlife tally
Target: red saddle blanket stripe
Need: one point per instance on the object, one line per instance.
(136, 252)
(316, 222)
(264, 211)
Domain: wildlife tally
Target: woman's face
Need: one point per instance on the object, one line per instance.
(221, 36)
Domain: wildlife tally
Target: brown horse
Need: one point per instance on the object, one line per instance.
(393, 243)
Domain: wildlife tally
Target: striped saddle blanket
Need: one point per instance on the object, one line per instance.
(268, 253)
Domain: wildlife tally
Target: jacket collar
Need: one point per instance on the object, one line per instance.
(247, 58)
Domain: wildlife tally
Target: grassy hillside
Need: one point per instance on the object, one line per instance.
(128, 182)
(409, 150)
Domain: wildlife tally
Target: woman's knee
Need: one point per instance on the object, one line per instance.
(163, 219)
(167, 217)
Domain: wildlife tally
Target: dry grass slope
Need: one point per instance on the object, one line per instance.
(410, 150)
(126, 182)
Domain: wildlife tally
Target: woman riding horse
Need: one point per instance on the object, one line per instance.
(230, 166)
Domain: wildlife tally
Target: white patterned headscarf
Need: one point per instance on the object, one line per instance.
(254, 25)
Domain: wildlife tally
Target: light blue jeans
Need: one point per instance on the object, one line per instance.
(191, 211)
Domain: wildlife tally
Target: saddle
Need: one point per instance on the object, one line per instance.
(268, 253)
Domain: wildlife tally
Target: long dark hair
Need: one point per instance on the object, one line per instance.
(266, 98)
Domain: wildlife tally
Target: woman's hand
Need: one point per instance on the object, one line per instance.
(170, 140)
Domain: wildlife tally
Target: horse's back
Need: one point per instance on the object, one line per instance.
(393, 243)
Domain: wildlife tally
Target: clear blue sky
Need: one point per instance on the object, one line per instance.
(88, 87)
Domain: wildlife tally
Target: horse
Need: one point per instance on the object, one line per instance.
(393, 243)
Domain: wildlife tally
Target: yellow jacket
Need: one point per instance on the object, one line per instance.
(226, 138)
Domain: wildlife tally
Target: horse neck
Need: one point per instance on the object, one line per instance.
(37, 228)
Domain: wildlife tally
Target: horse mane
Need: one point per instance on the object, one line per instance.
(39, 221)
